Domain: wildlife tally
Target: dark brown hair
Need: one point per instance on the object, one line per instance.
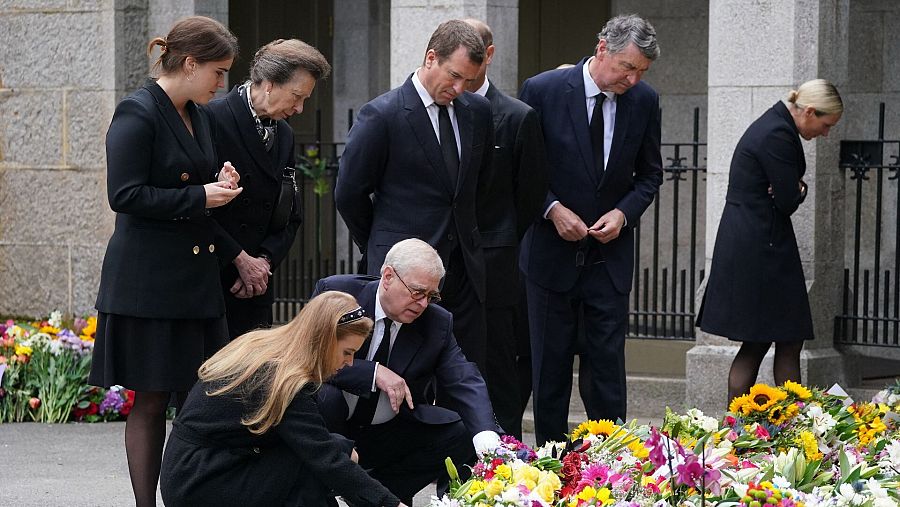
(203, 38)
(278, 60)
(452, 34)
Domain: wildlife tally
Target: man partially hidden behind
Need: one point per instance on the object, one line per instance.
(410, 170)
(601, 127)
(510, 197)
(380, 401)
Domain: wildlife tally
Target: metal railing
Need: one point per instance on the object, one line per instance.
(870, 311)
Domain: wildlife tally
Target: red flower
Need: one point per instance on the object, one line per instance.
(571, 468)
(34, 403)
(129, 402)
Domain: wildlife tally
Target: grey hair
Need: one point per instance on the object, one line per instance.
(623, 30)
(414, 255)
(280, 59)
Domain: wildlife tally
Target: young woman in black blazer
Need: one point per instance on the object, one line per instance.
(160, 304)
(253, 133)
(756, 292)
(250, 432)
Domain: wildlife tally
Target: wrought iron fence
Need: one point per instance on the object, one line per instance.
(668, 242)
(669, 246)
(870, 312)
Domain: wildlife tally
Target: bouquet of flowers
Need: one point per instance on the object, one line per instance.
(43, 372)
(781, 446)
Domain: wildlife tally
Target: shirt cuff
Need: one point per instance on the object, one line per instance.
(547, 211)
(486, 441)
(374, 376)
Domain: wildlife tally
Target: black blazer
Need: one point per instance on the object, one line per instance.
(630, 182)
(393, 153)
(246, 219)
(756, 289)
(424, 350)
(213, 459)
(160, 261)
(510, 193)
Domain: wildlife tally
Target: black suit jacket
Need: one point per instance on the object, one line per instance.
(160, 261)
(246, 220)
(510, 193)
(632, 177)
(424, 351)
(756, 289)
(393, 153)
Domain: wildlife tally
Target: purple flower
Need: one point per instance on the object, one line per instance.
(655, 444)
(112, 402)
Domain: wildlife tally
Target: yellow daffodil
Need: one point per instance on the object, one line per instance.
(797, 390)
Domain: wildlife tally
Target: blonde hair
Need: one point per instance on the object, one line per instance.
(270, 366)
(818, 94)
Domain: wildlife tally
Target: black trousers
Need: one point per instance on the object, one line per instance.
(459, 298)
(553, 321)
(508, 374)
(406, 455)
(245, 315)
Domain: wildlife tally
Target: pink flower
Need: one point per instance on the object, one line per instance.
(762, 432)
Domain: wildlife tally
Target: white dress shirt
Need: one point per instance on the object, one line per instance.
(431, 108)
(609, 114)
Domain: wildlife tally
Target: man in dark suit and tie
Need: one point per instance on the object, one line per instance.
(410, 169)
(380, 401)
(602, 132)
(510, 197)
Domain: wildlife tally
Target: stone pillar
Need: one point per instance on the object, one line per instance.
(413, 21)
(64, 63)
(757, 53)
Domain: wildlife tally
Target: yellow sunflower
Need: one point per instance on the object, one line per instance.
(797, 390)
(603, 427)
(740, 405)
(779, 414)
(763, 397)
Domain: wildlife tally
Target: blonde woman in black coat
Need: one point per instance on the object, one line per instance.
(160, 304)
(756, 292)
(250, 432)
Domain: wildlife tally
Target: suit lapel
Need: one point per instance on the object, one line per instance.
(576, 104)
(464, 120)
(248, 135)
(424, 131)
(407, 344)
(188, 143)
(623, 113)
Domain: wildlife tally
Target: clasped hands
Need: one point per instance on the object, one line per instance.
(570, 227)
(225, 189)
(253, 276)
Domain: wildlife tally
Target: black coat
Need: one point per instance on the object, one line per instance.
(756, 290)
(510, 193)
(393, 153)
(160, 261)
(246, 220)
(213, 459)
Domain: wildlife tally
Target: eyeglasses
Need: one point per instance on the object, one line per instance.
(419, 294)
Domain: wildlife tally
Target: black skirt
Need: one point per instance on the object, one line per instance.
(153, 354)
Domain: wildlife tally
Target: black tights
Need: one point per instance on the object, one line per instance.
(145, 434)
(745, 367)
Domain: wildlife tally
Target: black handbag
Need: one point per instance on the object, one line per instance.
(284, 206)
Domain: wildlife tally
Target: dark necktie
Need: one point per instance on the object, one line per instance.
(448, 144)
(597, 134)
(365, 407)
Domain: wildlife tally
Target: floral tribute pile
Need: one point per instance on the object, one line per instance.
(43, 374)
(785, 446)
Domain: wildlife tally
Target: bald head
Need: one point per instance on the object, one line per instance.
(487, 37)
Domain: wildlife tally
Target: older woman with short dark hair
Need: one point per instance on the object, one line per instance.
(253, 134)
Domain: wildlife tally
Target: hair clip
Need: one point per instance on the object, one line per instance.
(352, 316)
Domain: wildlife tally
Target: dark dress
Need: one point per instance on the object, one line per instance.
(160, 304)
(247, 219)
(756, 290)
(213, 459)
